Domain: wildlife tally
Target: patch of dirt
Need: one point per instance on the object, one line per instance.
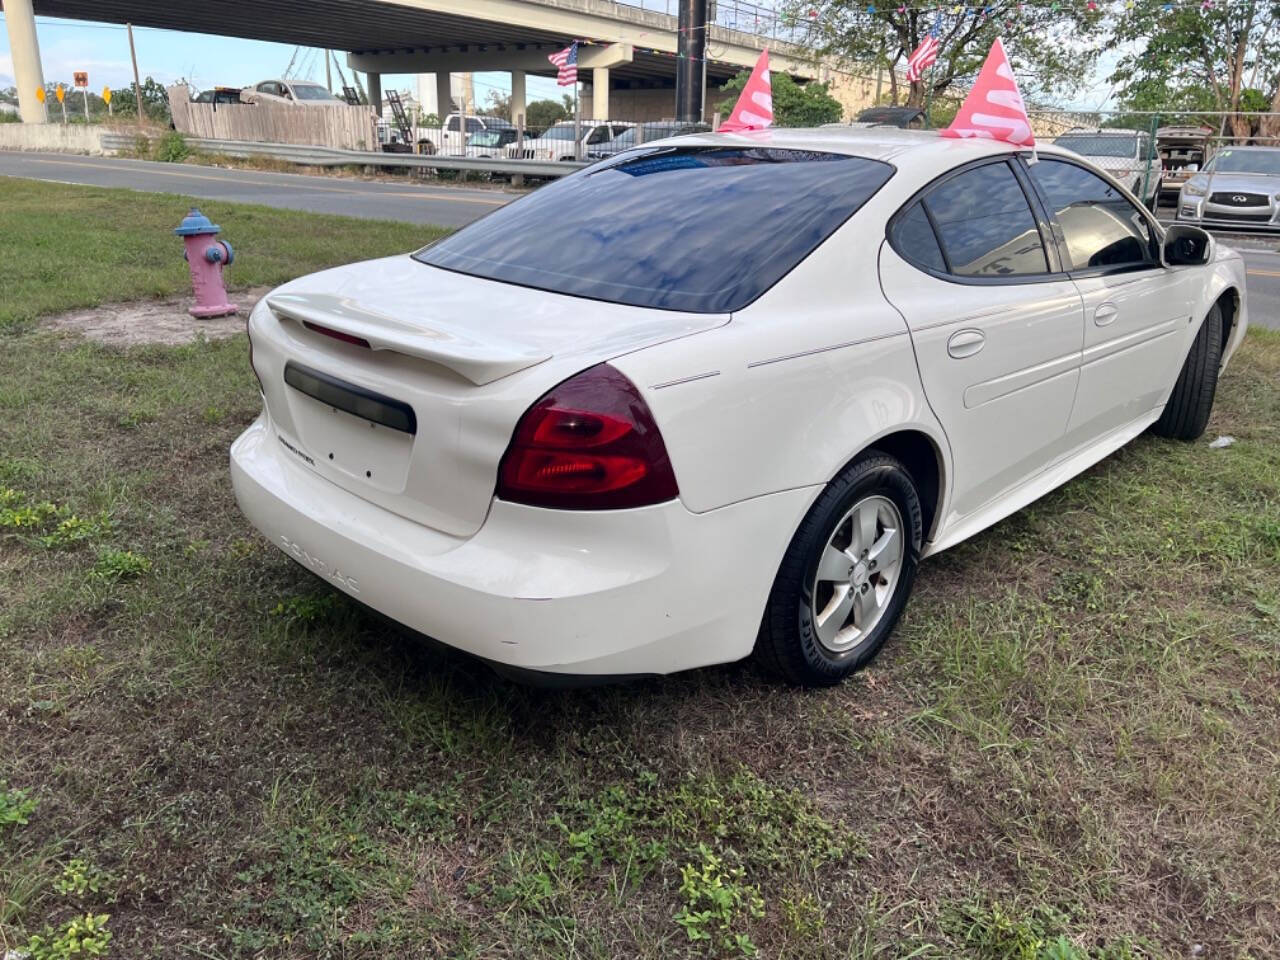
(155, 321)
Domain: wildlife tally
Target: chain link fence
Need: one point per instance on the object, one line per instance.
(1204, 167)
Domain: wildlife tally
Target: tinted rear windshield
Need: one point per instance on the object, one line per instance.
(698, 229)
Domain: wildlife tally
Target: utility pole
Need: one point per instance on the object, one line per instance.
(328, 71)
(137, 84)
(691, 63)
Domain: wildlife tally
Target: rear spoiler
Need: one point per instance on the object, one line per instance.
(480, 362)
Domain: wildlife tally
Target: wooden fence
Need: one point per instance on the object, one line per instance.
(340, 126)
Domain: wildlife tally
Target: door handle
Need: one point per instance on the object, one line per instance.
(1105, 314)
(965, 343)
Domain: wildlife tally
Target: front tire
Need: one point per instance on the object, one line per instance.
(846, 576)
(1187, 412)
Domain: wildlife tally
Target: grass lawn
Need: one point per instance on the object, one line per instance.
(1068, 750)
(64, 247)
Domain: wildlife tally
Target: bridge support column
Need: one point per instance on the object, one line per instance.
(600, 93)
(28, 74)
(519, 99)
(444, 94)
(374, 87)
(691, 64)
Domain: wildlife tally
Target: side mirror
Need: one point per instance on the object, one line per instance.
(1186, 246)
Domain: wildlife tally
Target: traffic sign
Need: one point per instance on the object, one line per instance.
(61, 93)
(40, 94)
(106, 94)
(81, 78)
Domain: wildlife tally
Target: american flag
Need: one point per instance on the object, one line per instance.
(566, 62)
(925, 56)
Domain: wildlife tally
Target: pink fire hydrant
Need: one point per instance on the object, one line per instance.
(206, 258)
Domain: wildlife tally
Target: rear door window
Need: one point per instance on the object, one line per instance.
(985, 224)
(699, 229)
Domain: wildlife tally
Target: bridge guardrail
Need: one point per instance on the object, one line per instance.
(331, 157)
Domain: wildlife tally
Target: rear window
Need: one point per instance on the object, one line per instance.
(698, 229)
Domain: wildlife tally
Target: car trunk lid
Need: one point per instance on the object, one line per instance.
(340, 353)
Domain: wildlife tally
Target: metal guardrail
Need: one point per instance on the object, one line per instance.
(330, 157)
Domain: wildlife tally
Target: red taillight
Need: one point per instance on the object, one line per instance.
(337, 334)
(589, 444)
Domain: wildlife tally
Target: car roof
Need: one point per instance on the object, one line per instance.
(1251, 147)
(874, 143)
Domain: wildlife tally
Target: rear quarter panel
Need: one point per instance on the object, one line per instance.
(797, 383)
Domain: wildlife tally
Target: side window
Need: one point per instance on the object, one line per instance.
(913, 237)
(1101, 227)
(474, 125)
(453, 123)
(598, 135)
(985, 224)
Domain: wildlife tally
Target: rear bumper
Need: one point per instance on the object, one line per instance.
(653, 590)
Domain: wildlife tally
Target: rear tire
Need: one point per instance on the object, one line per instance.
(846, 576)
(1187, 412)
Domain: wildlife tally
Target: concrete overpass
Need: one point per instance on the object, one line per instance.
(628, 49)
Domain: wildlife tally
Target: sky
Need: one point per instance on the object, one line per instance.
(205, 60)
(169, 55)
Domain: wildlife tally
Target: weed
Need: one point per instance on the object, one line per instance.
(302, 886)
(803, 915)
(114, 565)
(82, 937)
(172, 148)
(79, 877)
(306, 608)
(73, 529)
(15, 806)
(991, 932)
(717, 901)
(18, 516)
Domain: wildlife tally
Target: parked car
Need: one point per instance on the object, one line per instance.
(558, 143)
(489, 143)
(1237, 188)
(644, 133)
(301, 93)
(905, 118)
(1125, 154)
(219, 96)
(722, 393)
(451, 136)
(1182, 152)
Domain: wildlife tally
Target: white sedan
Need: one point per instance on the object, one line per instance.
(722, 395)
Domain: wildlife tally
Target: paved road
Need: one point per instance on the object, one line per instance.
(433, 205)
(446, 206)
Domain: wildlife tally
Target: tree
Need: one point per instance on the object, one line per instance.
(499, 104)
(1224, 57)
(543, 113)
(794, 105)
(155, 101)
(1048, 44)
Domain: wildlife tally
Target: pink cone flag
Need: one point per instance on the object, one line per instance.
(754, 109)
(994, 108)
